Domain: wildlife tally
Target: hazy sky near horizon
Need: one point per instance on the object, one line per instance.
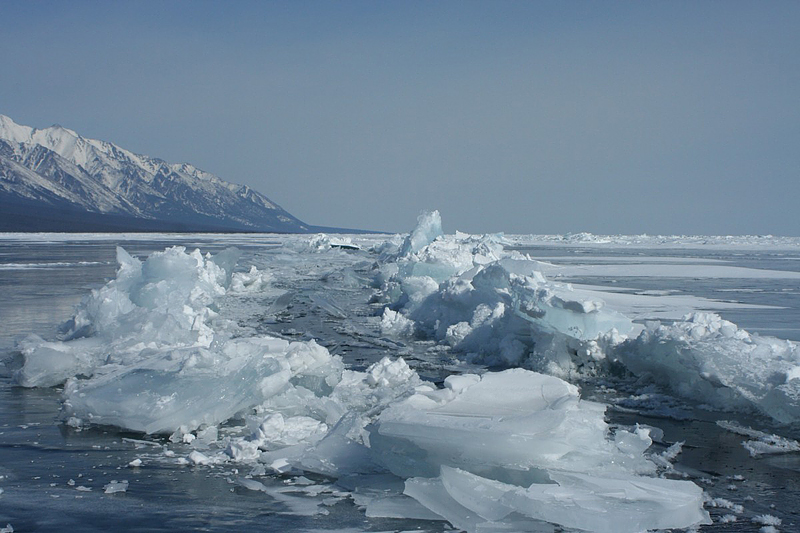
(522, 117)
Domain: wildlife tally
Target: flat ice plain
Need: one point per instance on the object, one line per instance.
(385, 383)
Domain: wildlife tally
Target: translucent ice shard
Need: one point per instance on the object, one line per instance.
(620, 504)
(517, 449)
(429, 226)
(185, 388)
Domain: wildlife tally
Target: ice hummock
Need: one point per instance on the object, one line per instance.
(711, 360)
(148, 352)
(493, 305)
(496, 307)
(491, 452)
(502, 450)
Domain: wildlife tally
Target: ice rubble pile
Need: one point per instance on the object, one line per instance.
(154, 356)
(497, 307)
(507, 449)
(148, 352)
(494, 305)
(320, 243)
(712, 361)
(514, 450)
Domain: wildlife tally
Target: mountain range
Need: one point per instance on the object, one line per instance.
(53, 179)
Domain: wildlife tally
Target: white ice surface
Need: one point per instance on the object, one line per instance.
(660, 270)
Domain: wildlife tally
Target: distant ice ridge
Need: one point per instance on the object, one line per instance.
(497, 307)
(648, 241)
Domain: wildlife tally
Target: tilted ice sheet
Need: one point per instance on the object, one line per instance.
(523, 447)
(499, 450)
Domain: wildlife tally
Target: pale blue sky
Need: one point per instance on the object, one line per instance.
(523, 117)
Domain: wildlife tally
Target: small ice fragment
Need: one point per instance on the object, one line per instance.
(208, 435)
(727, 519)
(135, 463)
(8, 529)
(763, 443)
(81, 488)
(395, 324)
(188, 438)
(198, 458)
(252, 484)
(116, 486)
(71, 482)
(726, 504)
(767, 520)
(280, 466)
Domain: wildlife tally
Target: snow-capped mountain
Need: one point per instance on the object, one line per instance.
(53, 179)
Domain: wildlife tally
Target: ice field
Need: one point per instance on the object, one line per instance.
(426, 381)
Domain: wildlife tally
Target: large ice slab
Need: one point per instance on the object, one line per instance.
(622, 504)
(518, 449)
(514, 424)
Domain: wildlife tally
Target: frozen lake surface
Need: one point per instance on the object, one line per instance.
(89, 477)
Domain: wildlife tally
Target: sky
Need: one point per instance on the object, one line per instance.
(518, 117)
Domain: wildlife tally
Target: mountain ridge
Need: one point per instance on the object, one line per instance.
(54, 170)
